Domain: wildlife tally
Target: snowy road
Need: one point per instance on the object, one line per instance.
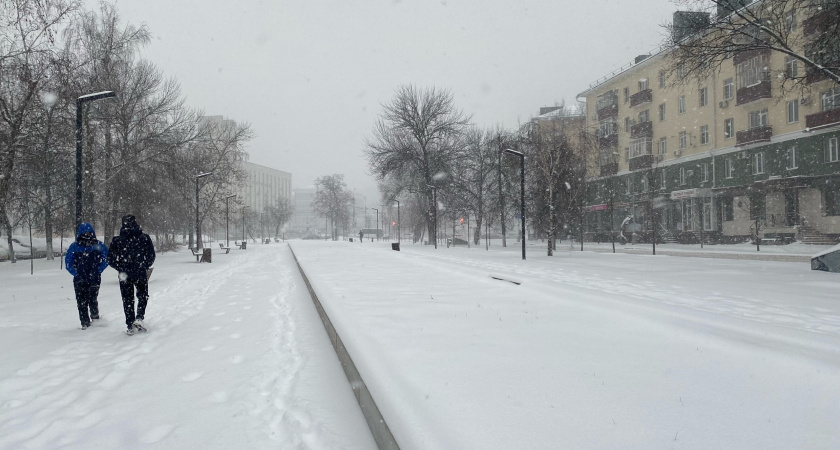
(236, 357)
(593, 350)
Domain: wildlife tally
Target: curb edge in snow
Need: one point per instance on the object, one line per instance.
(381, 433)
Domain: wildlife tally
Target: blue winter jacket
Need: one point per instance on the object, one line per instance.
(86, 258)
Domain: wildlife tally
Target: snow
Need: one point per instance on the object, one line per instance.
(591, 350)
(235, 345)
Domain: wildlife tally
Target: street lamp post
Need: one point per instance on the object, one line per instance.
(521, 192)
(197, 223)
(377, 223)
(399, 231)
(79, 103)
(227, 219)
(243, 222)
(434, 199)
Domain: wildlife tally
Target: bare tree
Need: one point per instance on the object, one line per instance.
(703, 38)
(333, 201)
(416, 138)
(279, 214)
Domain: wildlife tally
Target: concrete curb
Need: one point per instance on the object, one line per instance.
(381, 433)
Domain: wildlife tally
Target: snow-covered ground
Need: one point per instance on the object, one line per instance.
(592, 350)
(236, 357)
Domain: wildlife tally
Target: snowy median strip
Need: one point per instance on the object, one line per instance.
(378, 427)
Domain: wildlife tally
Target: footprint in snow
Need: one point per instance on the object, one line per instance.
(236, 359)
(156, 434)
(215, 328)
(192, 376)
(235, 336)
(208, 348)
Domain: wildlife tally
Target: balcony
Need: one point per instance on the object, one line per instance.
(640, 97)
(641, 162)
(753, 135)
(610, 141)
(609, 111)
(643, 129)
(749, 94)
(823, 119)
(816, 23)
(609, 169)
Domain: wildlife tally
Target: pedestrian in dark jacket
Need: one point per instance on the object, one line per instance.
(85, 260)
(132, 254)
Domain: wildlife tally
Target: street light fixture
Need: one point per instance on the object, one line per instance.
(197, 223)
(521, 193)
(79, 102)
(377, 222)
(227, 219)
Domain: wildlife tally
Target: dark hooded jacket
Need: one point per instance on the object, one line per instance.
(87, 257)
(132, 252)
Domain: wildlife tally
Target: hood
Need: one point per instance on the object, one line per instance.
(129, 225)
(85, 228)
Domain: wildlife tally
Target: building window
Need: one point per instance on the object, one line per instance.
(728, 89)
(661, 112)
(606, 127)
(627, 124)
(644, 184)
(626, 95)
(833, 150)
(728, 169)
(831, 99)
(629, 185)
(758, 118)
(728, 128)
(682, 176)
(661, 79)
(663, 146)
(758, 206)
(728, 208)
(683, 140)
(791, 67)
(643, 84)
(663, 185)
(758, 163)
(704, 134)
(793, 111)
(753, 71)
(681, 72)
(681, 107)
(831, 200)
(704, 172)
(790, 20)
(644, 116)
(704, 96)
(791, 158)
(639, 147)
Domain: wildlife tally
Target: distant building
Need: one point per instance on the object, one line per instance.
(265, 186)
(304, 219)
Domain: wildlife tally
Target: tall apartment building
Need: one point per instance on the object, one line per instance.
(304, 219)
(718, 155)
(265, 186)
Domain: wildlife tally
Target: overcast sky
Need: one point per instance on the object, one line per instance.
(310, 75)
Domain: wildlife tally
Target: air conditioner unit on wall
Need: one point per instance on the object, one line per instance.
(805, 101)
(659, 158)
(724, 104)
(677, 152)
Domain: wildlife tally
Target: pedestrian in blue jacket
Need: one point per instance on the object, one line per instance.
(85, 260)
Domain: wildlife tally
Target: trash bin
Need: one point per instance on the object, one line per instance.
(207, 255)
(395, 246)
(244, 245)
(351, 239)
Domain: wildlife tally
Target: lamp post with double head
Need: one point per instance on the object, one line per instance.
(243, 222)
(521, 192)
(79, 103)
(227, 219)
(197, 222)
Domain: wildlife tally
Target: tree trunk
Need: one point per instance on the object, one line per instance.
(8, 227)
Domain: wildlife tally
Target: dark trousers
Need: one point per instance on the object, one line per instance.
(127, 288)
(87, 298)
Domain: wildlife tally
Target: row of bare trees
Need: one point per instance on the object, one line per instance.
(424, 149)
(142, 148)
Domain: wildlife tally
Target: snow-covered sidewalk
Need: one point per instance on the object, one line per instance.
(592, 350)
(236, 357)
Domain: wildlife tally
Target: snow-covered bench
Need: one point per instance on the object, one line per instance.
(226, 249)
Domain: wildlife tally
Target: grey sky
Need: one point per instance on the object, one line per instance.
(310, 75)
